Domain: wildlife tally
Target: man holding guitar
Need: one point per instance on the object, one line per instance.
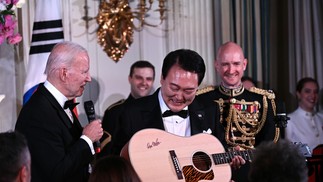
(172, 107)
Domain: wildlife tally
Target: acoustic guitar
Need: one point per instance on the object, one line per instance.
(160, 156)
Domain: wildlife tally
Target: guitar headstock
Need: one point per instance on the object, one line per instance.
(303, 149)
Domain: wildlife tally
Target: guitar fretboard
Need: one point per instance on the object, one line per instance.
(223, 158)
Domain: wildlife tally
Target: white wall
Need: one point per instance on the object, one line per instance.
(7, 87)
(189, 25)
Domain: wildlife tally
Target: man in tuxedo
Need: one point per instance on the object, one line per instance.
(61, 150)
(172, 107)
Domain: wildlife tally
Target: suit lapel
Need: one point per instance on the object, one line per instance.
(197, 118)
(151, 113)
(76, 129)
(153, 118)
(60, 111)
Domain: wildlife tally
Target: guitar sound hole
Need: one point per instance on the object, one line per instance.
(202, 161)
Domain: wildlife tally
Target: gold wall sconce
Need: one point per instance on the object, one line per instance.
(116, 24)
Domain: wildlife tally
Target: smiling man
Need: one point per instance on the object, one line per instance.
(141, 79)
(172, 107)
(246, 116)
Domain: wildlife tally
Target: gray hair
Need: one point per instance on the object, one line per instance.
(63, 54)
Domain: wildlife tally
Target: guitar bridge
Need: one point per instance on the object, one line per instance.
(176, 164)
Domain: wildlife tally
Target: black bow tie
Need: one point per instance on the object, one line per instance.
(182, 113)
(70, 104)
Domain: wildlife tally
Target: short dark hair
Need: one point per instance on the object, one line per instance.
(303, 81)
(188, 60)
(281, 161)
(113, 168)
(141, 64)
(14, 154)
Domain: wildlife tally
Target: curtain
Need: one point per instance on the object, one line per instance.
(305, 40)
(190, 25)
(245, 22)
(282, 41)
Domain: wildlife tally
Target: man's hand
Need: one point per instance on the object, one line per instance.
(93, 130)
(237, 161)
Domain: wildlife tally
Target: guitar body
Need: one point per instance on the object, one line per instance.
(160, 156)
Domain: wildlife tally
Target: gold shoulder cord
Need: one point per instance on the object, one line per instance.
(270, 95)
(277, 128)
(221, 103)
(205, 90)
(116, 104)
(237, 119)
(233, 117)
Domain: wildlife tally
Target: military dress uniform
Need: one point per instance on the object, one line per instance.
(110, 122)
(248, 116)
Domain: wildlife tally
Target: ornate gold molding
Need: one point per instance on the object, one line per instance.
(115, 31)
(116, 27)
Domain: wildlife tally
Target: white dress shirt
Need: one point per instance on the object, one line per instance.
(174, 124)
(305, 127)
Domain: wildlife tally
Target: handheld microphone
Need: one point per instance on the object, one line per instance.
(281, 116)
(90, 112)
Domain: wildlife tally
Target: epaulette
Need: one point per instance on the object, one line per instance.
(116, 103)
(268, 93)
(205, 90)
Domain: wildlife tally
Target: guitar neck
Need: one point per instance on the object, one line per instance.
(222, 158)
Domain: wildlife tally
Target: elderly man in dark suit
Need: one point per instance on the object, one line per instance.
(172, 107)
(61, 150)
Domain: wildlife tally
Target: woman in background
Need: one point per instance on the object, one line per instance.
(306, 124)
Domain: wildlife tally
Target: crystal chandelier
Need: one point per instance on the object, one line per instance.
(116, 24)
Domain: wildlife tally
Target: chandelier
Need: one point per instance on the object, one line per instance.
(116, 24)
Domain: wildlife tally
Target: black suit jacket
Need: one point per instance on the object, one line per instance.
(112, 114)
(57, 152)
(110, 122)
(267, 132)
(146, 113)
(269, 129)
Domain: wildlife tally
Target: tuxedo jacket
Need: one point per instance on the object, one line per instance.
(57, 152)
(145, 112)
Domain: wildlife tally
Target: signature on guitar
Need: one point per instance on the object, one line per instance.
(153, 144)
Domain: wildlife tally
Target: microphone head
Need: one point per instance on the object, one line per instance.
(89, 110)
(281, 117)
(280, 108)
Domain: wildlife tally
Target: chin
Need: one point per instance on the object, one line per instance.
(79, 94)
(177, 108)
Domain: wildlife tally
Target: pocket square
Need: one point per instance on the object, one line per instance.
(209, 131)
